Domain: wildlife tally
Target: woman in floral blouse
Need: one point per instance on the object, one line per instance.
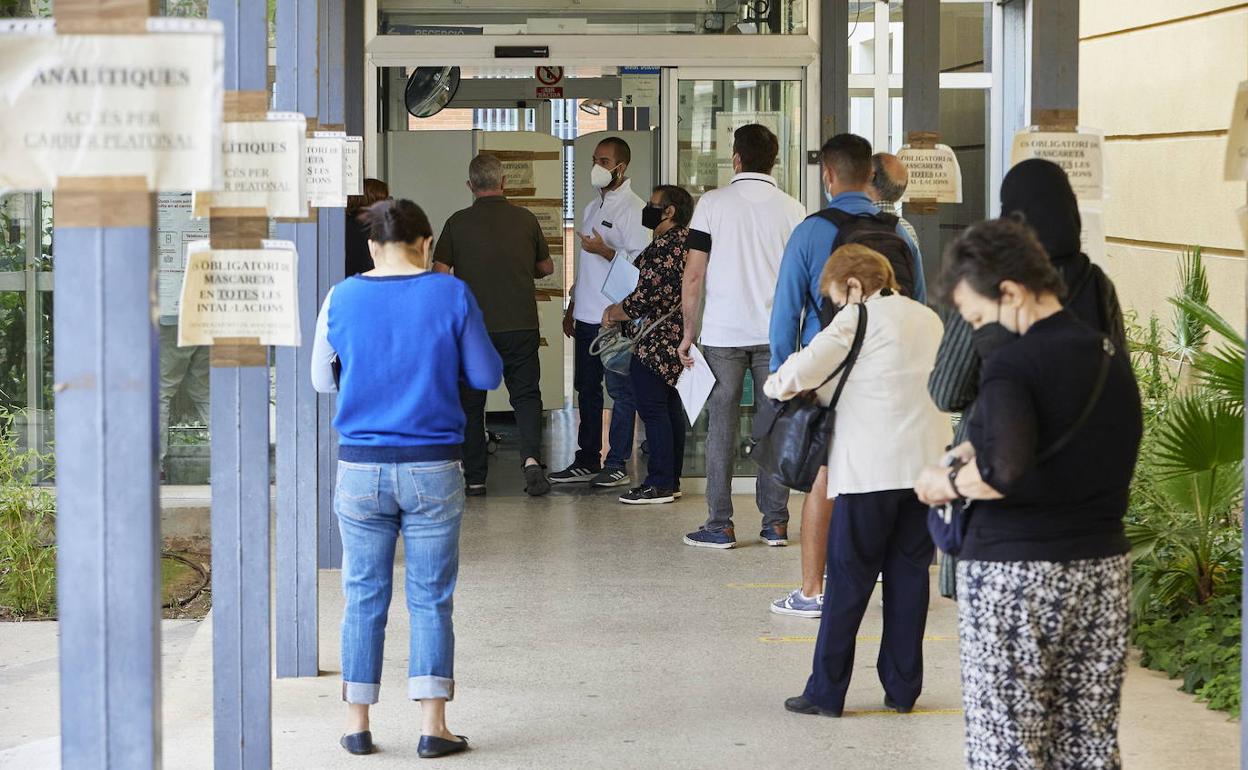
(656, 366)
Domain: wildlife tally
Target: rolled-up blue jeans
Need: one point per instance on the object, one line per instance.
(375, 502)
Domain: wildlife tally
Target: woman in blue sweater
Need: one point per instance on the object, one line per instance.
(395, 343)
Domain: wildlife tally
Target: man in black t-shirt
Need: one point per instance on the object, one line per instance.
(498, 249)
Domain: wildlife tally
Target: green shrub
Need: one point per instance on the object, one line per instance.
(1202, 648)
(27, 530)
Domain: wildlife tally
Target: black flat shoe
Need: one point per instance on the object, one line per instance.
(358, 743)
(432, 747)
(800, 705)
(889, 704)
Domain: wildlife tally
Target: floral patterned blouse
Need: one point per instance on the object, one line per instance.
(662, 266)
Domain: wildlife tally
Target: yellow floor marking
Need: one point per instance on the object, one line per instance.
(790, 586)
(865, 638)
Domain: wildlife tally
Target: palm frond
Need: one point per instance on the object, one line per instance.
(1190, 332)
(1221, 371)
(1198, 434)
(1200, 311)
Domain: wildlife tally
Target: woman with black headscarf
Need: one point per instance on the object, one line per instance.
(1038, 192)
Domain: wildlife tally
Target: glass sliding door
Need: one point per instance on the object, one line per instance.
(709, 105)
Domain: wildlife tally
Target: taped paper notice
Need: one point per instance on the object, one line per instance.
(1092, 236)
(353, 165)
(325, 169)
(240, 293)
(934, 174)
(111, 105)
(518, 175)
(262, 167)
(1237, 139)
(175, 230)
(1080, 154)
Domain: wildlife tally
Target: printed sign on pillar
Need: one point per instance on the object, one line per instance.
(146, 105)
(1080, 154)
(933, 173)
(353, 165)
(325, 154)
(262, 167)
(240, 294)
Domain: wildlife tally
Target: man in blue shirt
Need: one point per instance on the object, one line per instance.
(846, 178)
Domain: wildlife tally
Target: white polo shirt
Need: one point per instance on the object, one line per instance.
(744, 227)
(617, 218)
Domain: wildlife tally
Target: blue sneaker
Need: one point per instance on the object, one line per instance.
(704, 538)
(776, 536)
(797, 604)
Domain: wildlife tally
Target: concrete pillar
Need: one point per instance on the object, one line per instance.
(833, 69)
(108, 531)
(241, 676)
(297, 403)
(921, 90)
(1054, 61)
(331, 231)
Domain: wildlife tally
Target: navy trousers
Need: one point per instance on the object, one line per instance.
(664, 416)
(873, 533)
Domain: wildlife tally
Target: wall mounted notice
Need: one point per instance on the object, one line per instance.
(240, 293)
(1092, 236)
(175, 229)
(933, 172)
(353, 165)
(111, 105)
(1080, 154)
(639, 87)
(518, 177)
(549, 215)
(1237, 139)
(262, 167)
(325, 167)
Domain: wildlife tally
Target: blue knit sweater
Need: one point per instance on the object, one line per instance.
(405, 343)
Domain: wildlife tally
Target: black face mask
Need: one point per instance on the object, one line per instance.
(991, 337)
(652, 216)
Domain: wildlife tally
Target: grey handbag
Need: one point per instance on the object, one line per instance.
(615, 348)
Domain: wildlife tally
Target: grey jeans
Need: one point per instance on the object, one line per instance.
(723, 435)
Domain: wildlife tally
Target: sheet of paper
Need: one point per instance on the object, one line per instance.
(621, 280)
(694, 385)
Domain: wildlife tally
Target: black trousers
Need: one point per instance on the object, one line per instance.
(873, 533)
(522, 375)
(664, 416)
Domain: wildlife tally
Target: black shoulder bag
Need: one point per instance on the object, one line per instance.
(791, 438)
(947, 523)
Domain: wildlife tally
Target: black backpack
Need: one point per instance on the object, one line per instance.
(876, 231)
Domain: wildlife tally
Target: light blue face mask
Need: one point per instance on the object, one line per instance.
(827, 196)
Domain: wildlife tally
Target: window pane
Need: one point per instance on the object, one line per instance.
(862, 37)
(862, 116)
(710, 110)
(963, 32)
(963, 126)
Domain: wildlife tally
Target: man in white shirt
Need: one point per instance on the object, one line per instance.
(610, 229)
(744, 226)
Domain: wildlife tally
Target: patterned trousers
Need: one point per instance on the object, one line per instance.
(1043, 649)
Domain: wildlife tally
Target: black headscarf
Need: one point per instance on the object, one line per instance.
(1040, 191)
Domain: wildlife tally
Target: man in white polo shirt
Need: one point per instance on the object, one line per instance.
(610, 229)
(736, 240)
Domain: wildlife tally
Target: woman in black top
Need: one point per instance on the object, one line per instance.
(656, 366)
(1043, 576)
(1040, 192)
(355, 239)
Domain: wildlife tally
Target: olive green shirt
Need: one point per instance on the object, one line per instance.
(494, 247)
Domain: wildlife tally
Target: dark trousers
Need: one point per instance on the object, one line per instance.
(587, 378)
(521, 373)
(873, 533)
(659, 406)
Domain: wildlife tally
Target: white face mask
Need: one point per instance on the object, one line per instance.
(600, 177)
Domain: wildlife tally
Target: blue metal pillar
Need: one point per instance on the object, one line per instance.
(921, 87)
(108, 528)
(297, 403)
(331, 229)
(242, 697)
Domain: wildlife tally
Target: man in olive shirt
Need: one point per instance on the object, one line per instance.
(498, 249)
